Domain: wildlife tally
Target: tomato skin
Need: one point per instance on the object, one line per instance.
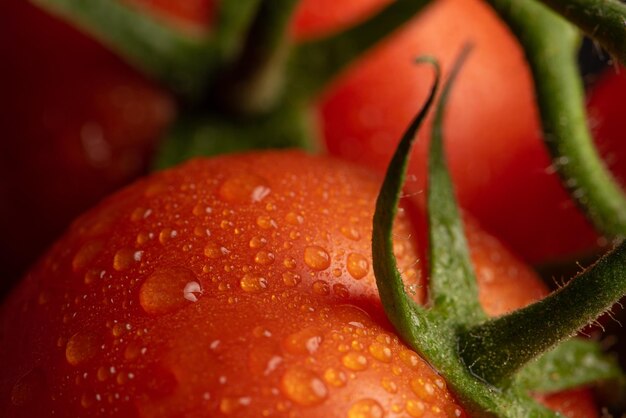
(240, 285)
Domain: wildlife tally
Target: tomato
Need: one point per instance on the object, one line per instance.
(242, 286)
(498, 161)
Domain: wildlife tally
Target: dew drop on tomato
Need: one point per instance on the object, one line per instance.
(316, 257)
(354, 361)
(305, 341)
(212, 250)
(257, 242)
(264, 258)
(81, 347)
(415, 408)
(320, 287)
(291, 279)
(357, 266)
(124, 258)
(192, 291)
(389, 385)
(243, 188)
(252, 283)
(164, 290)
(423, 389)
(303, 387)
(380, 352)
(294, 219)
(366, 408)
(340, 290)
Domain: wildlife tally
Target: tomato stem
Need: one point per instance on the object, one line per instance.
(550, 44)
(254, 83)
(314, 64)
(497, 349)
(602, 20)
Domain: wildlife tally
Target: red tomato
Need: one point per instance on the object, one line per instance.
(239, 286)
(500, 166)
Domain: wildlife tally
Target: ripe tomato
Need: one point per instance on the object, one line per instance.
(235, 286)
(500, 166)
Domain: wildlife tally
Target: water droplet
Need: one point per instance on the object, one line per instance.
(294, 219)
(123, 259)
(103, 373)
(81, 347)
(303, 387)
(341, 290)
(289, 262)
(305, 341)
(212, 250)
(380, 352)
(415, 408)
(265, 222)
(253, 283)
(354, 361)
(320, 287)
(334, 377)
(410, 358)
(119, 329)
(230, 405)
(260, 192)
(264, 258)
(389, 385)
(316, 257)
(350, 233)
(140, 213)
(291, 279)
(423, 389)
(366, 408)
(357, 265)
(167, 234)
(191, 291)
(164, 290)
(257, 242)
(243, 188)
(86, 255)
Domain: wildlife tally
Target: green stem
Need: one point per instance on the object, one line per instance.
(400, 309)
(453, 291)
(314, 64)
(550, 44)
(497, 349)
(253, 84)
(602, 20)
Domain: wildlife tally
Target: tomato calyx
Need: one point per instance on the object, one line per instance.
(490, 364)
